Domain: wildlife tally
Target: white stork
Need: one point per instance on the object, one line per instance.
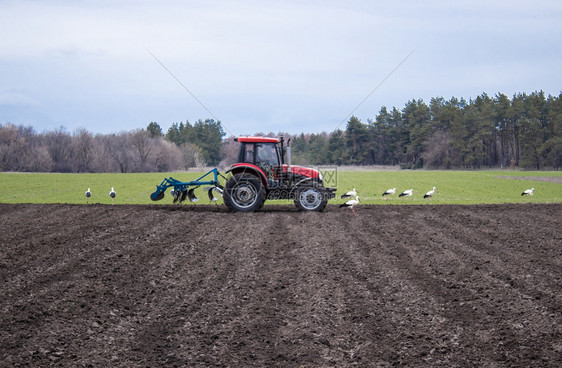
(112, 194)
(350, 194)
(389, 192)
(528, 192)
(88, 194)
(430, 193)
(407, 193)
(350, 204)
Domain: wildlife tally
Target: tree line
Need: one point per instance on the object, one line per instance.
(140, 150)
(524, 132)
(486, 132)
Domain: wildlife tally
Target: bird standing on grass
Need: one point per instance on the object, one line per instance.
(430, 193)
(350, 204)
(112, 194)
(528, 192)
(88, 195)
(389, 192)
(407, 193)
(350, 194)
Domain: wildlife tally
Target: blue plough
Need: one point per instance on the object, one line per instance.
(183, 189)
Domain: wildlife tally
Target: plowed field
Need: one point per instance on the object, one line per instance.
(198, 286)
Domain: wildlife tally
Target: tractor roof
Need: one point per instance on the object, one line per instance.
(257, 140)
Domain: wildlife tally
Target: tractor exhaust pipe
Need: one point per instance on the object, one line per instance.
(289, 156)
(288, 159)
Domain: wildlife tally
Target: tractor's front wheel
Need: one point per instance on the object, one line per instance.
(311, 198)
(244, 193)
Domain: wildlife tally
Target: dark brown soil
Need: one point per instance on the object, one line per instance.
(151, 286)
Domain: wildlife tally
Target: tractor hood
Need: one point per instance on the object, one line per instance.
(304, 171)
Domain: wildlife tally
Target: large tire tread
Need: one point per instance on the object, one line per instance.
(251, 180)
(321, 205)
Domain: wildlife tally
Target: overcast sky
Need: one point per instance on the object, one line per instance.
(261, 66)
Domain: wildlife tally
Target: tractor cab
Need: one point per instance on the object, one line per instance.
(265, 153)
(261, 152)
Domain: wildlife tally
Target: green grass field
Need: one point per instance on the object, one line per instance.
(453, 187)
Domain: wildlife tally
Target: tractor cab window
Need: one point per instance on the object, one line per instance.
(267, 157)
(266, 153)
(248, 153)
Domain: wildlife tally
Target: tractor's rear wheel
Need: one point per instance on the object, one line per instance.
(244, 193)
(311, 198)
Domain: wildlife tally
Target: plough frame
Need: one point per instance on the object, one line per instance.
(184, 185)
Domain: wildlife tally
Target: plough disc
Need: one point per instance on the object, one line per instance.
(210, 191)
(191, 195)
(156, 196)
(183, 195)
(176, 194)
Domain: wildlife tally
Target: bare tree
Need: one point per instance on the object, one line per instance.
(10, 147)
(118, 148)
(229, 152)
(191, 156)
(165, 156)
(21, 150)
(140, 145)
(102, 154)
(59, 146)
(82, 145)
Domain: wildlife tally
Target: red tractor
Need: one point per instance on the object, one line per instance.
(263, 171)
